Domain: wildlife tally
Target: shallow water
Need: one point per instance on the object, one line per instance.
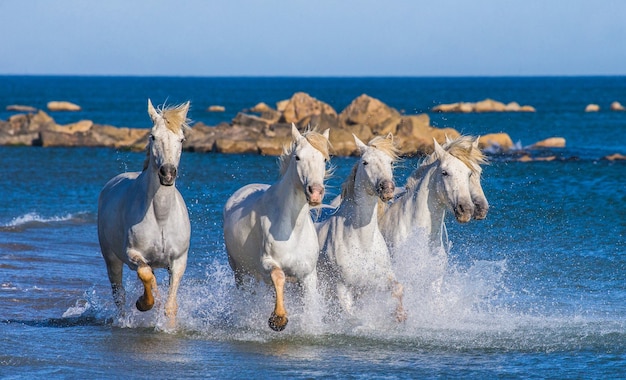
(535, 290)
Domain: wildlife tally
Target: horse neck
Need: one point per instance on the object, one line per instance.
(288, 198)
(421, 207)
(360, 209)
(158, 197)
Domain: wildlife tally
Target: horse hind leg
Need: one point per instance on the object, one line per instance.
(177, 269)
(146, 301)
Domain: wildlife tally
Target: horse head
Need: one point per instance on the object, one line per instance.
(309, 154)
(165, 144)
(452, 179)
(481, 205)
(374, 171)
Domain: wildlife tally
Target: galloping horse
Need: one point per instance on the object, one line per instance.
(354, 257)
(268, 231)
(142, 218)
(449, 179)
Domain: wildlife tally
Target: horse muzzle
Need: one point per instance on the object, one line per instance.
(480, 210)
(464, 212)
(314, 194)
(167, 174)
(385, 190)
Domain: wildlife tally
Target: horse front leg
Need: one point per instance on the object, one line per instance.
(177, 269)
(397, 291)
(146, 301)
(115, 269)
(278, 320)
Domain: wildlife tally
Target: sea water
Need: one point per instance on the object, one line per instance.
(534, 290)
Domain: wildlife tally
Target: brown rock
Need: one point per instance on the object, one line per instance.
(616, 106)
(302, 105)
(498, 141)
(63, 106)
(489, 105)
(615, 157)
(216, 108)
(80, 126)
(233, 145)
(21, 108)
(552, 142)
(342, 142)
(592, 108)
(365, 110)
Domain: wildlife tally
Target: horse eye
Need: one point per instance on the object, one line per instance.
(152, 137)
(297, 158)
(364, 162)
(444, 173)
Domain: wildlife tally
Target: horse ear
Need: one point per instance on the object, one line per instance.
(295, 133)
(359, 144)
(475, 144)
(151, 111)
(439, 151)
(448, 139)
(389, 136)
(326, 133)
(184, 109)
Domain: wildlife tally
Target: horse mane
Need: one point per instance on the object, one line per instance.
(387, 146)
(175, 120)
(316, 139)
(462, 148)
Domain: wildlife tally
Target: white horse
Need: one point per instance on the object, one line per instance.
(449, 179)
(142, 218)
(354, 257)
(268, 231)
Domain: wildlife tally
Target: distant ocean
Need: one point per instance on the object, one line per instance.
(535, 290)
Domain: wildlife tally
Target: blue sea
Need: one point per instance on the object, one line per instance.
(536, 290)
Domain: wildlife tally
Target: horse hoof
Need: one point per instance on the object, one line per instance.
(278, 323)
(142, 306)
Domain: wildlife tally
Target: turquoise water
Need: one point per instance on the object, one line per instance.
(535, 290)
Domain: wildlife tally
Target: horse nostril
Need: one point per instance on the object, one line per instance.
(168, 170)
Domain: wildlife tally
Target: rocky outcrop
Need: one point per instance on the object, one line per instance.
(487, 105)
(62, 106)
(263, 129)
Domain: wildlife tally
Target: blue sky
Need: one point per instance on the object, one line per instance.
(313, 38)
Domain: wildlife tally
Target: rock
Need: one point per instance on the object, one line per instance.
(251, 121)
(495, 141)
(552, 142)
(80, 126)
(21, 108)
(216, 109)
(342, 142)
(527, 109)
(302, 105)
(615, 157)
(62, 106)
(365, 110)
(592, 108)
(487, 105)
(617, 106)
